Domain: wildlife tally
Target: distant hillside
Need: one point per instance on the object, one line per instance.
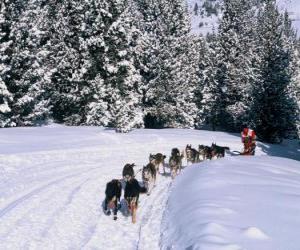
(206, 13)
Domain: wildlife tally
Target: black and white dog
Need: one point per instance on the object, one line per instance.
(149, 177)
(132, 193)
(218, 151)
(113, 193)
(128, 172)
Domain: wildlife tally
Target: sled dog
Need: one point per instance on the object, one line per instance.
(175, 162)
(113, 193)
(158, 160)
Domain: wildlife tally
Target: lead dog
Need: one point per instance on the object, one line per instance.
(218, 151)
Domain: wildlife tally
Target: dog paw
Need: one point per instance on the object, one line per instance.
(107, 212)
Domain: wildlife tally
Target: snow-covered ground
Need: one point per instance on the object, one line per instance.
(234, 204)
(52, 182)
(210, 23)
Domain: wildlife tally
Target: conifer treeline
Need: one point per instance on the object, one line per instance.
(134, 63)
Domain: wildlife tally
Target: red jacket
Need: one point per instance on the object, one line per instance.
(248, 133)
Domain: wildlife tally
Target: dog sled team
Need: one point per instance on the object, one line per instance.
(133, 188)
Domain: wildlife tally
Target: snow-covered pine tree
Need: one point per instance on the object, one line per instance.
(115, 84)
(236, 55)
(295, 88)
(168, 65)
(123, 77)
(273, 109)
(209, 94)
(29, 75)
(6, 97)
(291, 43)
(148, 14)
(69, 59)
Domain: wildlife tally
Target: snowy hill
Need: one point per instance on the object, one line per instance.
(235, 203)
(206, 13)
(52, 182)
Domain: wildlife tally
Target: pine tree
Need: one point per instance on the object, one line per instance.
(236, 56)
(119, 96)
(209, 93)
(29, 74)
(273, 110)
(75, 24)
(291, 44)
(168, 84)
(6, 98)
(295, 88)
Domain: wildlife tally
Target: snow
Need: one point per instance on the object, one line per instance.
(235, 203)
(293, 8)
(53, 178)
(211, 22)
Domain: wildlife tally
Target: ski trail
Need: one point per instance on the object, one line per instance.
(59, 210)
(107, 232)
(35, 191)
(149, 233)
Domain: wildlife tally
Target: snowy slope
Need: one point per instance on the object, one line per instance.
(235, 203)
(52, 182)
(293, 7)
(205, 23)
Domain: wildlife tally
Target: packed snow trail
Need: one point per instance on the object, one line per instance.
(52, 183)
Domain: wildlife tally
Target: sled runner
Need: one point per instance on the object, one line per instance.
(249, 150)
(235, 153)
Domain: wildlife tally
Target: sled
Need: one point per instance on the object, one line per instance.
(236, 153)
(249, 149)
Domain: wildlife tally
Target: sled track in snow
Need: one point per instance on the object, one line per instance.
(35, 191)
(149, 235)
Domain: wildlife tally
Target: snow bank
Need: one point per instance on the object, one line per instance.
(235, 203)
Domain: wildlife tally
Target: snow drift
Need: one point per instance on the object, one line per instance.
(235, 203)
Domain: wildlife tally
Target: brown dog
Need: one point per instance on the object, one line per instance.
(175, 162)
(131, 195)
(158, 160)
(192, 155)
